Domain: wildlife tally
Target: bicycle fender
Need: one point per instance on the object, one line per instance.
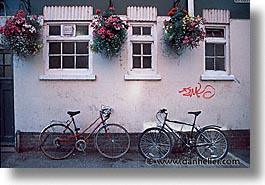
(210, 126)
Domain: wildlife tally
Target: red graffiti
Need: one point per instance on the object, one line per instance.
(207, 92)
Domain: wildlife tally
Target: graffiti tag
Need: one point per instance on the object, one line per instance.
(207, 92)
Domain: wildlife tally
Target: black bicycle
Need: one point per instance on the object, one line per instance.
(157, 142)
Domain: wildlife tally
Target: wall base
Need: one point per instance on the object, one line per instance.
(29, 141)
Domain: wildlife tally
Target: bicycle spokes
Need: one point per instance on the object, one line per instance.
(211, 144)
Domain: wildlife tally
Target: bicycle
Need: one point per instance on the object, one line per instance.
(58, 140)
(157, 142)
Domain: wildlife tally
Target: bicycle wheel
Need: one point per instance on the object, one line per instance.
(112, 141)
(57, 141)
(212, 144)
(155, 143)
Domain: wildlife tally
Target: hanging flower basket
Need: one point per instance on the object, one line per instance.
(183, 30)
(109, 33)
(22, 33)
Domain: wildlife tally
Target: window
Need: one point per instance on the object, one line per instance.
(2, 9)
(216, 56)
(142, 52)
(67, 53)
(6, 70)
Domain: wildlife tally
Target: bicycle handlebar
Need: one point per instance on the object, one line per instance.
(162, 111)
(106, 111)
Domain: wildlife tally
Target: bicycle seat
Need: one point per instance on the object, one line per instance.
(73, 113)
(197, 113)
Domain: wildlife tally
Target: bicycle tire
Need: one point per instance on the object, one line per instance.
(57, 141)
(112, 141)
(155, 143)
(214, 145)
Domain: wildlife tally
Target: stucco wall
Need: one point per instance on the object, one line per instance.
(135, 102)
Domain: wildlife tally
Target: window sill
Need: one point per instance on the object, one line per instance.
(151, 77)
(217, 77)
(67, 77)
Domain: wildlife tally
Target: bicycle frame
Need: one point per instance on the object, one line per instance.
(166, 127)
(77, 134)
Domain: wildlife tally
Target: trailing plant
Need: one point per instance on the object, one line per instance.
(109, 33)
(22, 33)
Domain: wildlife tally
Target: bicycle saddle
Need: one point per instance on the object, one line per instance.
(73, 113)
(197, 113)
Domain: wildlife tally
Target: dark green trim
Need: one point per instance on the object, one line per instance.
(237, 10)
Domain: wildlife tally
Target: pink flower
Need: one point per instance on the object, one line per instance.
(98, 11)
(112, 9)
(7, 32)
(102, 30)
(193, 43)
(103, 36)
(111, 35)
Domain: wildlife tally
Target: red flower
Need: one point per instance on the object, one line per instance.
(170, 13)
(174, 9)
(21, 12)
(98, 11)
(185, 11)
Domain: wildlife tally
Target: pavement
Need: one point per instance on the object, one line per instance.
(11, 159)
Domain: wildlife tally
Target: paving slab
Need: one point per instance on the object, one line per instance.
(129, 160)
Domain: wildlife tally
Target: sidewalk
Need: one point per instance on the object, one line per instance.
(130, 160)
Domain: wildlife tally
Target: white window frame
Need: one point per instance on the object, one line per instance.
(213, 74)
(142, 74)
(66, 74)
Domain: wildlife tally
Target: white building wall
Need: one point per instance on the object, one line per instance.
(135, 103)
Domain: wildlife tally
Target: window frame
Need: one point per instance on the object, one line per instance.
(64, 73)
(142, 73)
(218, 74)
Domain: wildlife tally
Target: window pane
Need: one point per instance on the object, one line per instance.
(54, 30)
(209, 49)
(147, 62)
(146, 30)
(54, 47)
(136, 30)
(68, 62)
(1, 71)
(220, 64)
(219, 50)
(136, 49)
(82, 47)
(68, 48)
(209, 65)
(81, 30)
(8, 71)
(147, 49)
(213, 32)
(54, 62)
(8, 59)
(1, 59)
(136, 62)
(82, 62)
